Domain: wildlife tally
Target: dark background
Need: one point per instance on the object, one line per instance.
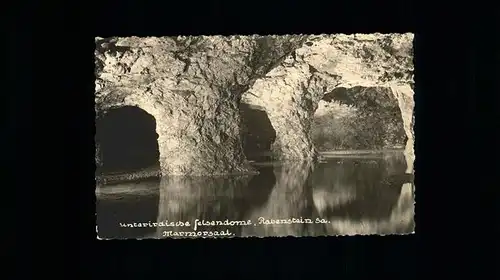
(50, 148)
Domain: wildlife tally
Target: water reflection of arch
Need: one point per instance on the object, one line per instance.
(184, 198)
(291, 197)
(359, 187)
(400, 221)
(365, 196)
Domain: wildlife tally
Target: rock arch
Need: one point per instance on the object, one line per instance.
(192, 86)
(126, 140)
(358, 118)
(290, 93)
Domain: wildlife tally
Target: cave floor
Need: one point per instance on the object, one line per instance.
(119, 177)
(359, 153)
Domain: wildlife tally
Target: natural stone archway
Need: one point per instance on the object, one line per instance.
(126, 140)
(193, 87)
(358, 118)
(290, 92)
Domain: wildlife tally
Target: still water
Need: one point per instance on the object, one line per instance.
(342, 195)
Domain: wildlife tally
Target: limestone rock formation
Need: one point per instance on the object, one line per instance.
(290, 92)
(193, 86)
(404, 94)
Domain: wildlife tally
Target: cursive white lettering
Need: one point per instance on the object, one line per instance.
(171, 233)
(199, 223)
(265, 221)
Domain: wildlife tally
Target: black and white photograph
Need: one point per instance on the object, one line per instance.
(254, 136)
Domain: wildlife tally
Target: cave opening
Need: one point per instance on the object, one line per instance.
(257, 133)
(358, 118)
(126, 141)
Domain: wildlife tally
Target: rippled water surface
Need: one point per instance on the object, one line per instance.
(342, 195)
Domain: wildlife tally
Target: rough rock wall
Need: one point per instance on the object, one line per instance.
(291, 91)
(404, 94)
(192, 86)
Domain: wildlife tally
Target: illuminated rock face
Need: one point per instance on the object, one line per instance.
(193, 87)
(290, 93)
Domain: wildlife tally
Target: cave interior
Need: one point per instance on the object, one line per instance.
(127, 139)
(375, 121)
(257, 133)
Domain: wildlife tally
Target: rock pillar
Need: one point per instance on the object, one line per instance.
(291, 92)
(201, 140)
(290, 96)
(192, 86)
(292, 135)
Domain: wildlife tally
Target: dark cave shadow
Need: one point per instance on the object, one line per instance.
(257, 133)
(126, 141)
